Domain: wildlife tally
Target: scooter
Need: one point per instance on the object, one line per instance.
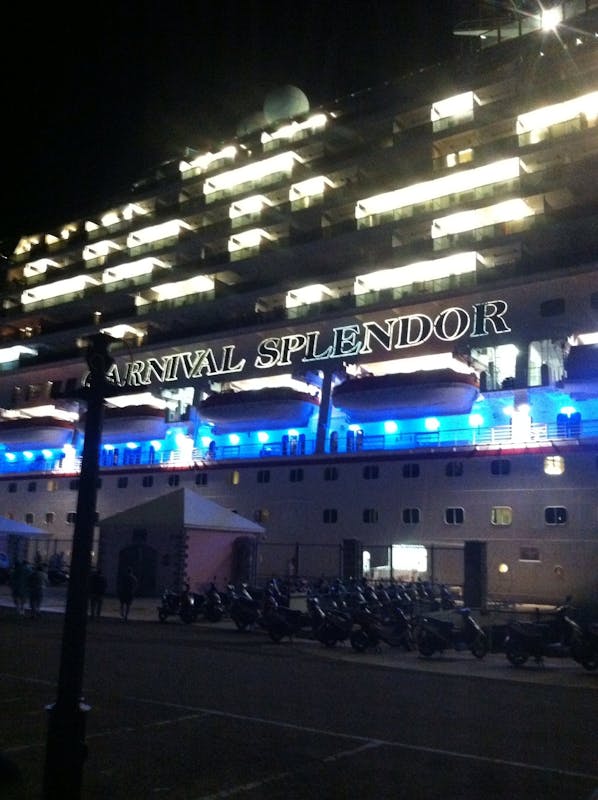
(544, 637)
(181, 604)
(329, 626)
(244, 609)
(211, 605)
(394, 630)
(584, 645)
(279, 621)
(436, 635)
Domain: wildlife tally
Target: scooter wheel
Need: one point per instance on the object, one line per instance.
(241, 625)
(187, 617)
(214, 614)
(479, 647)
(516, 657)
(359, 641)
(162, 615)
(425, 645)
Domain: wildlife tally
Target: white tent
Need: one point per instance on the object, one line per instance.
(16, 538)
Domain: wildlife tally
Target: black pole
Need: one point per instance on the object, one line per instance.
(66, 748)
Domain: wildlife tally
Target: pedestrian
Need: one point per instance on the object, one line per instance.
(97, 590)
(19, 585)
(36, 583)
(126, 592)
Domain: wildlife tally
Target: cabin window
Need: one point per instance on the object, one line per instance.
(554, 465)
(529, 554)
(552, 308)
(330, 515)
(411, 516)
(263, 476)
(52, 486)
(32, 486)
(29, 518)
(501, 515)
(370, 515)
(261, 515)
(331, 474)
(411, 470)
(12, 488)
(454, 516)
(71, 517)
(122, 482)
(371, 472)
(147, 481)
(555, 515)
(74, 485)
(201, 479)
(454, 469)
(174, 480)
(500, 466)
(296, 475)
(50, 516)
(235, 477)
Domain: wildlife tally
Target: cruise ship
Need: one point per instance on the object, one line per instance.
(369, 327)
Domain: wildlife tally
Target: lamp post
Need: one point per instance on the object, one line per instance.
(66, 748)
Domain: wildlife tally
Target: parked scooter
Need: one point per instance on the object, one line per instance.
(394, 630)
(550, 636)
(436, 635)
(211, 605)
(180, 604)
(279, 621)
(244, 609)
(584, 645)
(329, 626)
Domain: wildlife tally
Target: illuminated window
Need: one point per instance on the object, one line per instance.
(554, 465)
(501, 515)
(411, 516)
(370, 515)
(460, 157)
(330, 515)
(261, 515)
(454, 516)
(555, 515)
(52, 486)
(235, 477)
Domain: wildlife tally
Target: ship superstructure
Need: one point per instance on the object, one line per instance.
(374, 322)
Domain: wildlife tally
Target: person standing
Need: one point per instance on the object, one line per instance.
(36, 582)
(19, 585)
(97, 590)
(126, 592)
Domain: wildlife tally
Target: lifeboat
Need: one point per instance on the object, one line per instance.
(406, 395)
(35, 433)
(131, 423)
(273, 407)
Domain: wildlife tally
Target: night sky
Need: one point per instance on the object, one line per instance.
(95, 96)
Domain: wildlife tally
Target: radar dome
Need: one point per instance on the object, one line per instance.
(284, 103)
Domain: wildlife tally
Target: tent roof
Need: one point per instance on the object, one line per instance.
(185, 508)
(11, 526)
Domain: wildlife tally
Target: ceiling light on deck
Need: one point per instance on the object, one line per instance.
(551, 18)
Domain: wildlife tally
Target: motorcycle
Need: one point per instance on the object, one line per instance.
(437, 635)
(182, 604)
(550, 636)
(584, 645)
(394, 630)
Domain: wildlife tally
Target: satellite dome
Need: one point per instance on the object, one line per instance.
(284, 103)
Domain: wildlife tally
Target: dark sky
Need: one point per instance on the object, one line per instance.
(95, 95)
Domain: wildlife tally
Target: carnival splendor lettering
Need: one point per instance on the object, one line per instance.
(396, 333)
